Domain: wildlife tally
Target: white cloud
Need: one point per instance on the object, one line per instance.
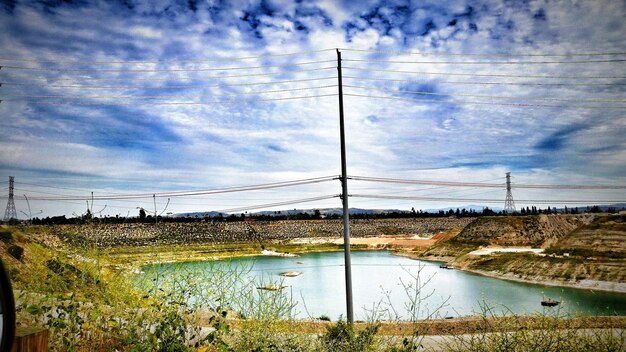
(232, 144)
(145, 32)
(366, 39)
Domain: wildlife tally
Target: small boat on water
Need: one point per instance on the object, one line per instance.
(549, 302)
(445, 266)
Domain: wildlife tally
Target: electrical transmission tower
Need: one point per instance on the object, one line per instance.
(509, 204)
(10, 213)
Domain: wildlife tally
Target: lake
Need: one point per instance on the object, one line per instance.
(382, 283)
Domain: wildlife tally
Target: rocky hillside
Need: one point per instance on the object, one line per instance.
(585, 251)
(603, 236)
(148, 234)
(534, 231)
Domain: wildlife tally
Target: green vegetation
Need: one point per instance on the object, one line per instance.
(89, 300)
(342, 336)
(540, 332)
(6, 236)
(16, 252)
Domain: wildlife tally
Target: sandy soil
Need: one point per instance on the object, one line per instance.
(489, 250)
(374, 242)
(276, 254)
(582, 284)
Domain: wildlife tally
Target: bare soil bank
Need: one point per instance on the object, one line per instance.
(582, 251)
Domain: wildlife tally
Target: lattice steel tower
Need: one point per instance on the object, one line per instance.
(509, 204)
(10, 213)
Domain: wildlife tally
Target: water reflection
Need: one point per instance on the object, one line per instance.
(380, 280)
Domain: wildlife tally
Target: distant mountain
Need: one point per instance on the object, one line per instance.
(200, 214)
(323, 211)
(359, 211)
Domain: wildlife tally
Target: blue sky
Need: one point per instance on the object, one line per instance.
(108, 134)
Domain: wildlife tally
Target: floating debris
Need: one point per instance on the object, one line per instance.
(272, 287)
(277, 254)
(291, 273)
(299, 262)
(549, 303)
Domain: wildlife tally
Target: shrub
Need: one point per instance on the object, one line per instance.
(16, 252)
(538, 332)
(6, 236)
(261, 336)
(343, 337)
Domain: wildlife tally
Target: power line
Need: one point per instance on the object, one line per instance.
(480, 184)
(47, 186)
(488, 103)
(42, 192)
(162, 70)
(83, 204)
(488, 96)
(260, 206)
(486, 62)
(483, 200)
(132, 62)
(174, 78)
(196, 192)
(424, 182)
(481, 54)
(483, 74)
(484, 83)
(158, 96)
(521, 185)
(409, 201)
(191, 86)
(239, 101)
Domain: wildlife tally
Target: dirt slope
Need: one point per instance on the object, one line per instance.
(534, 231)
(586, 251)
(604, 236)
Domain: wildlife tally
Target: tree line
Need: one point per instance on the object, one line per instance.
(315, 215)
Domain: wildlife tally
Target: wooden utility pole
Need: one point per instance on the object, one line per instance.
(344, 199)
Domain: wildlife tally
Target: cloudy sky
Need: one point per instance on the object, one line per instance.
(154, 97)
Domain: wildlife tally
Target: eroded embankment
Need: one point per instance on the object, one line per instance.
(583, 251)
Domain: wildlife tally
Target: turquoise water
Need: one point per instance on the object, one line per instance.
(379, 280)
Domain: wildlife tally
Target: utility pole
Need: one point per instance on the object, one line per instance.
(344, 199)
(155, 209)
(509, 204)
(10, 212)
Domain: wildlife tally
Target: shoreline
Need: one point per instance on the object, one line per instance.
(593, 285)
(605, 286)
